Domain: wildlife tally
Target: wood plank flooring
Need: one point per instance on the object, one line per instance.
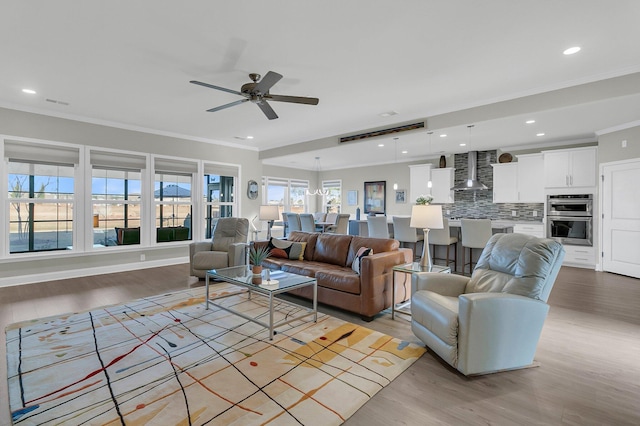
(589, 354)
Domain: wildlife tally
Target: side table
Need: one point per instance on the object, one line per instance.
(410, 269)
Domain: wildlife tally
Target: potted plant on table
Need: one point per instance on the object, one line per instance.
(424, 200)
(256, 256)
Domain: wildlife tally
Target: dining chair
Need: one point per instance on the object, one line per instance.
(378, 226)
(293, 222)
(442, 237)
(307, 224)
(406, 234)
(475, 234)
(331, 218)
(341, 226)
(319, 216)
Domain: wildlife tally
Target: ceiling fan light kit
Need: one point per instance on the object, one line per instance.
(258, 93)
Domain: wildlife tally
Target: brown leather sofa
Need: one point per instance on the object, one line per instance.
(328, 258)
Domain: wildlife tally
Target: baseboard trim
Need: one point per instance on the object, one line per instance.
(85, 272)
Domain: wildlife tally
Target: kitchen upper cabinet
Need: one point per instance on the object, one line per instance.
(419, 176)
(570, 168)
(505, 183)
(530, 184)
(442, 181)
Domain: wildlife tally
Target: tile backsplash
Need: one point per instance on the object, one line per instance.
(479, 204)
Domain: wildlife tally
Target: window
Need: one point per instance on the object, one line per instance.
(332, 202)
(41, 183)
(172, 195)
(218, 194)
(288, 194)
(116, 196)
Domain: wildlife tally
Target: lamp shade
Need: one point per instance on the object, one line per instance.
(269, 213)
(427, 217)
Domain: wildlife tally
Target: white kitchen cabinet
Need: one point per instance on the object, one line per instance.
(505, 183)
(530, 182)
(442, 181)
(419, 176)
(580, 256)
(570, 168)
(535, 229)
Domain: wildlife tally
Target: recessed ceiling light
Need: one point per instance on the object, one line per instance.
(530, 121)
(540, 134)
(444, 135)
(572, 50)
(249, 137)
(405, 151)
(463, 144)
(388, 114)
(380, 145)
(29, 91)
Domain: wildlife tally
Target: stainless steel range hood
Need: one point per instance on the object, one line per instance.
(471, 183)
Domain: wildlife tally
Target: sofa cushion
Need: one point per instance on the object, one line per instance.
(206, 260)
(305, 237)
(362, 252)
(286, 249)
(332, 248)
(378, 245)
(342, 279)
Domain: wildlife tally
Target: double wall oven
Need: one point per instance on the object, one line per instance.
(570, 218)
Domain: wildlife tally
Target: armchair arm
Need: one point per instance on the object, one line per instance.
(444, 284)
(498, 331)
(196, 247)
(238, 254)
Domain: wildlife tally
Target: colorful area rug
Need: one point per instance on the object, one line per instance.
(166, 360)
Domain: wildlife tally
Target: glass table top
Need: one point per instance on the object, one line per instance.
(416, 267)
(243, 275)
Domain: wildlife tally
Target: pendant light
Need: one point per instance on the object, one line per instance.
(319, 190)
(395, 151)
(429, 183)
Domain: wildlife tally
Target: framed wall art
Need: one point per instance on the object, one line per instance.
(375, 197)
(352, 198)
(401, 196)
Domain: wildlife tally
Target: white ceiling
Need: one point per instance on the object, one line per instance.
(129, 64)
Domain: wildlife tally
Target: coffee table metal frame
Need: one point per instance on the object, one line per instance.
(242, 277)
(410, 268)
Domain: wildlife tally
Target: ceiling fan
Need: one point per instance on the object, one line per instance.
(258, 93)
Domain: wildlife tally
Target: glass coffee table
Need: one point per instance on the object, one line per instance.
(410, 269)
(282, 282)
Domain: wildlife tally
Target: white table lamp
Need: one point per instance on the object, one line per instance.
(270, 214)
(426, 217)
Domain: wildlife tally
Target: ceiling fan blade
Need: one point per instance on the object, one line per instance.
(268, 111)
(227, 105)
(292, 99)
(211, 86)
(267, 82)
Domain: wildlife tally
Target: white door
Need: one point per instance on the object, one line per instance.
(621, 218)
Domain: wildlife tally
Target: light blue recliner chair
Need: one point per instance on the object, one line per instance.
(492, 321)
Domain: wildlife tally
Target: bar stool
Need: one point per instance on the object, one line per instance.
(378, 227)
(442, 237)
(406, 234)
(475, 234)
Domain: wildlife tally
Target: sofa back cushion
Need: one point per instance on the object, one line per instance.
(517, 264)
(378, 245)
(305, 237)
(332, 248)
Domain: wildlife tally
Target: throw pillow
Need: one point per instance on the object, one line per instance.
(287, 249)
(362, 252)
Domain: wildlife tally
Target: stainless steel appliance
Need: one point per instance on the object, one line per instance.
(570, 219)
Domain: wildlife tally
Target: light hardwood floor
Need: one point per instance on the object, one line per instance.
(589, 354)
